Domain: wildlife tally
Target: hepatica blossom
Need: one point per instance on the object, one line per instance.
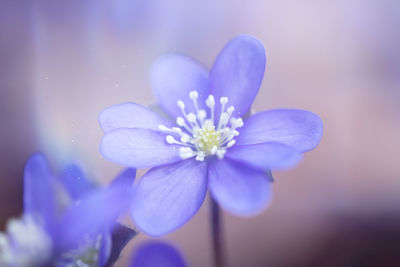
(73, 230)
(208, 142)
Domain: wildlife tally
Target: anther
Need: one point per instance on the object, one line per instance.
(180, 121)
(210, 102)
(193, 95)
(223, 100)
(170, 139)
(191, 117)
(162, 127)
(180, 104)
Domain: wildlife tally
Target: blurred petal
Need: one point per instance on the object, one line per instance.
(130, 115)
(238, 72)
(238, 188)
(265, 156)
(139, 148)
(168, 196)
(157, 254)
(75, 182)
(172, 78)
(121, 235)
(39, 189)
(97, 211)
(296, 128)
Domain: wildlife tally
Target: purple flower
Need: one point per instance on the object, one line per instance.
(66, 221)
(157, 254)
(209, 145)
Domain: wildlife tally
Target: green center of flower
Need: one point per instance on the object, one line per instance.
(198, 135)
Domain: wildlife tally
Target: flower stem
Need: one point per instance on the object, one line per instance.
(217, 235)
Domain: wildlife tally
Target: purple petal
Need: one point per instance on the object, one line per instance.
(157, 254)
(139, 148)
(238, 72)
(238, 188)
(75, 182)
(39, 189)
(296, 128)
(97, 211)
(265, 156)
(168, 196)
(130, 115)
(172, 78)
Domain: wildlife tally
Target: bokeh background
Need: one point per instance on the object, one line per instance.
(62, 62)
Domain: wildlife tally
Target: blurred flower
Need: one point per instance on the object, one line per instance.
(157, 254)
(66, 221)
(204, 147)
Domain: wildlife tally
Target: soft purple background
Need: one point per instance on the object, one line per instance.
(62, 62)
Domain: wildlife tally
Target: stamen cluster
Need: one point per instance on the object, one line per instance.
(198, 134)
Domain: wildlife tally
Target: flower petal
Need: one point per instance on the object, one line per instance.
(157, 254)
(238, 188)
(139, 148)
(75, 182)
(265, 156)
(130, 115)
(168, 196)
(299, 129)
(238, 72)
(97, 211)
(172, 78)
(39, 189)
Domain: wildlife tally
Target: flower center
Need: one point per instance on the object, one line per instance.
(198, 134)
(25, 244)
(85, 255)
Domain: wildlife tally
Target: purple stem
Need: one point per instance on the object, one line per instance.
(217, 235)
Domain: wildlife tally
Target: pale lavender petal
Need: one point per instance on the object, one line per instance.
(173, 76)
(167, 197)
(157, 254)
(75, 182)
(139, 148)
(39, 190)
(238, 72)
(296, 128)
(265, 156)
(238, 188)
(130, 115)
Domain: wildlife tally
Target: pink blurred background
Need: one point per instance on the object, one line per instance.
(62, 62)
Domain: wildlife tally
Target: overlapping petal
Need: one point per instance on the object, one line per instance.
(168, 196)
(238, 72)
(172, 78)
(265, 156)
(95, 212)
(75, 182)
(238, 188)
(157, 254)
(130, 115)
(139, 148)
(39, 190)
(299, 129)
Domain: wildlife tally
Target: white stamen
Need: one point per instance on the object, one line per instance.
(180, 121)
(180, 104)
(170, 139)
(193, 95)
(191, 117)
(223, 100)
(231, 143)
(200, 136)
